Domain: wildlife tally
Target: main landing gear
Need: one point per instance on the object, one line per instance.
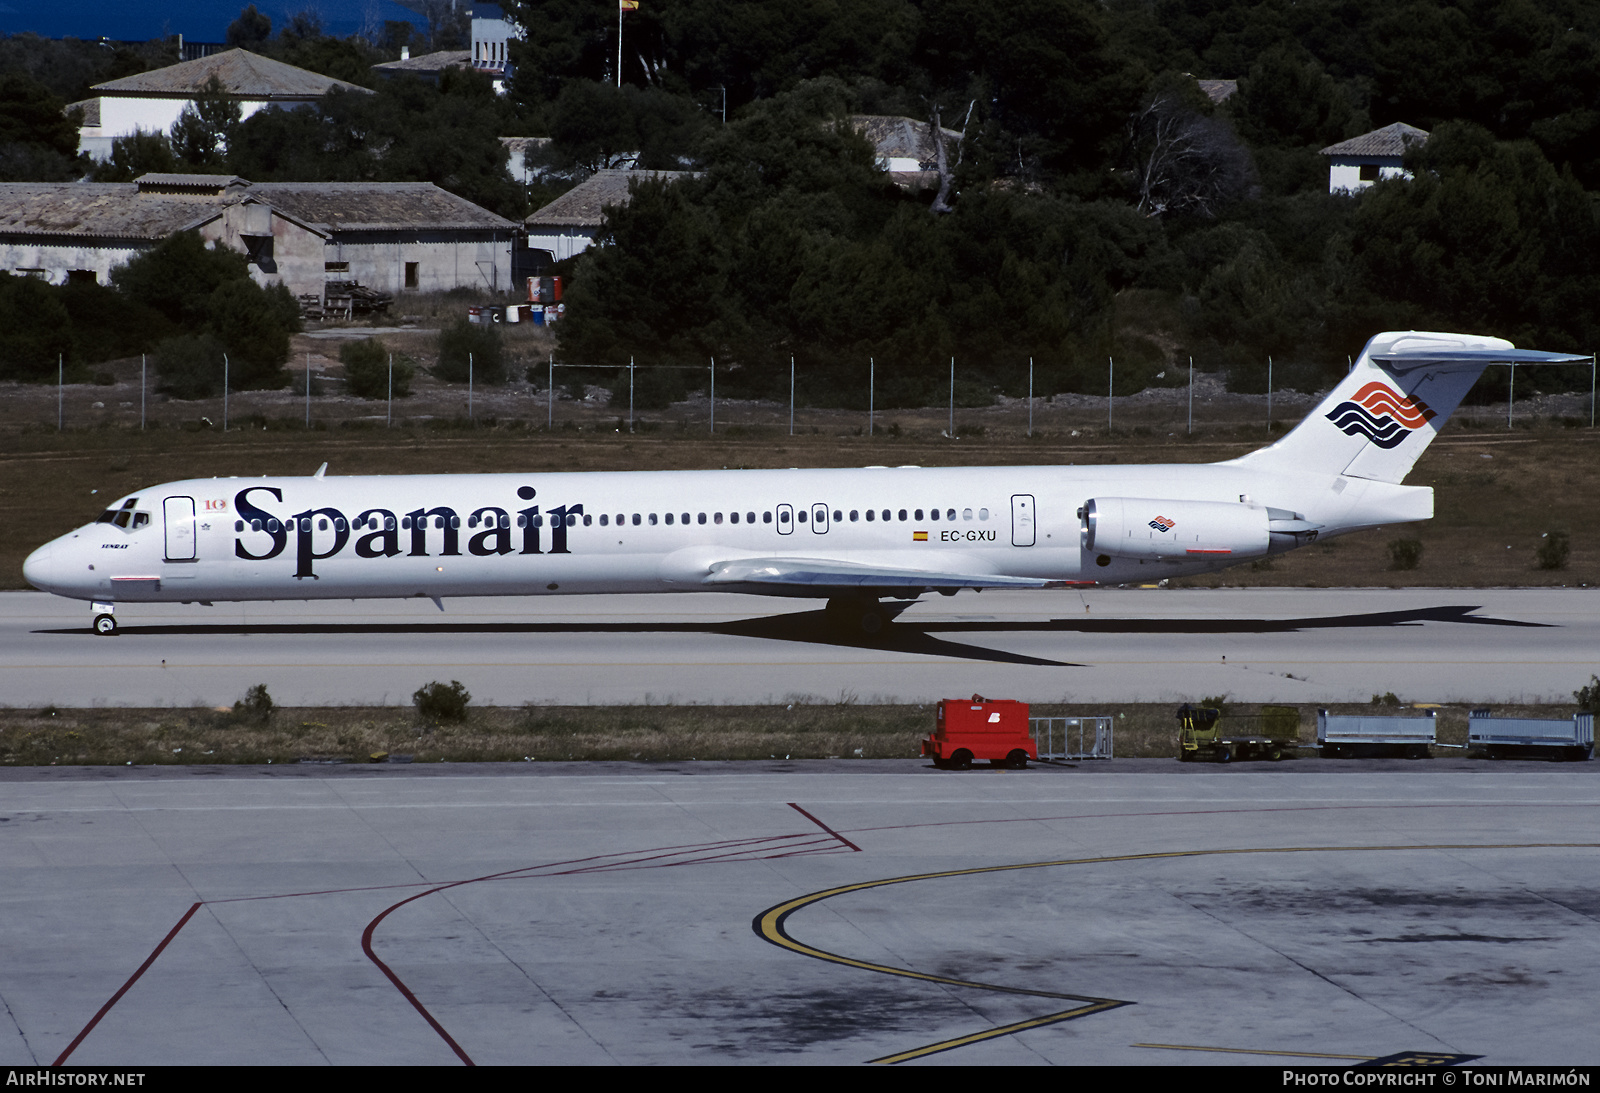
(860, 616)
(105, 623)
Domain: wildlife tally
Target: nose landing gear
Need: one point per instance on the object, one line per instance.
(105, 623)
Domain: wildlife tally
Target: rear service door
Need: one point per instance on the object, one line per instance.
(179, 516)
(1022, 531)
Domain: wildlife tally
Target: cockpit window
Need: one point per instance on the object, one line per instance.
(107, 516)
(140, 519)
(123, 518)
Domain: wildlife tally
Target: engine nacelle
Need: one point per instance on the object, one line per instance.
(1137, 527)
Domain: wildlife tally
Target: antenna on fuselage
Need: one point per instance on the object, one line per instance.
(322, 470)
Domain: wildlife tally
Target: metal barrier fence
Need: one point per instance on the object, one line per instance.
(1071, 737)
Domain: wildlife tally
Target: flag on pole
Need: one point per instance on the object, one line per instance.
(627, 5)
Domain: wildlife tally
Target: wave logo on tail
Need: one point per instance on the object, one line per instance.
(1381, 414)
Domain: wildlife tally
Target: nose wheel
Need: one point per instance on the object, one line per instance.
(105, 625)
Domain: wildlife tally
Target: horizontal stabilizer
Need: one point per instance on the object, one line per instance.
(1397, 396)
(815, 574)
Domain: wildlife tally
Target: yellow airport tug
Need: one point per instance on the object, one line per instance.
(1200, 735)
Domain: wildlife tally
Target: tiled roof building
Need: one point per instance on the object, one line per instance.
(391, 236)
(1357, 163)
(152, 101)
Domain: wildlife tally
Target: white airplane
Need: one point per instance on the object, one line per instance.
(852, 537)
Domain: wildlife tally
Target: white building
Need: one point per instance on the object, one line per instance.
(491, 33)
(1357, 163)
(395, 237)
(905, 148)
(152, 101)
(568, 225)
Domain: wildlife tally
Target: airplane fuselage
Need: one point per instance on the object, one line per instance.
(541, 534)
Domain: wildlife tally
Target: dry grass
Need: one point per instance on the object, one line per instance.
(97, 737)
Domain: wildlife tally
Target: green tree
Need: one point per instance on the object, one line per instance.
(34, 328)
(1487, 236)
(178, 276)
(653, 288)
(253, 325)
(138, 154)
(250, 30)
(205, 131)
(38, 136)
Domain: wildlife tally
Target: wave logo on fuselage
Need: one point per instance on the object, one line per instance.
(1381, 414)
(1161, 523)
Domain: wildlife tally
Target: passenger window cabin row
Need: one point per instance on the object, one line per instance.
(606, 519)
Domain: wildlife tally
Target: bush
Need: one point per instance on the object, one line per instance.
(436, 702)
(1405, 553)
(1553, 551)
(190, 366)
(366, 369)
(1588, 696)
(253, 324)
(35, 331)
(461, 339)
(256, 705)
(1387, 698)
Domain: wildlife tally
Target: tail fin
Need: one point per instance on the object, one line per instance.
(1378, 420)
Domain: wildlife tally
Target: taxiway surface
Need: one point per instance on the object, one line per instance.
(1130, 912)
(1288, 645)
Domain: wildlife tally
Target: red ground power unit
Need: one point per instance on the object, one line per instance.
(980, 728)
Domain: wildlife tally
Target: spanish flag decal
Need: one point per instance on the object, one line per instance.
(919, 537)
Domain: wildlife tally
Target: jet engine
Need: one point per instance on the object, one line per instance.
(1147, 528)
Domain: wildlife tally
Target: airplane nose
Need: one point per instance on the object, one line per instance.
(39, 568)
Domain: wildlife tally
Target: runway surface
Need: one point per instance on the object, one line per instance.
(1132, 912)
(1289, 645)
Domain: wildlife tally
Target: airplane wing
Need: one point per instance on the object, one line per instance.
(815, 574)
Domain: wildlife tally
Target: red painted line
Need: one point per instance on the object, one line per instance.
(824, 826)
(727, 850)
(711, 854)
(405, 991)
(132, 979)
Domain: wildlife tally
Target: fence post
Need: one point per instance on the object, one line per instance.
(308, 389)
(1111, 390)
(1030, 398)
(224, 392)
(142, 381)
(1191, 396)
(791, 396)
(952, 398)
(388, 420)
(713, 395)
(469, 386)
(61, 389)
(630, 394)
(872, 388)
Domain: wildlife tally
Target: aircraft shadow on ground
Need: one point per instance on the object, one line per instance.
(911, 637)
